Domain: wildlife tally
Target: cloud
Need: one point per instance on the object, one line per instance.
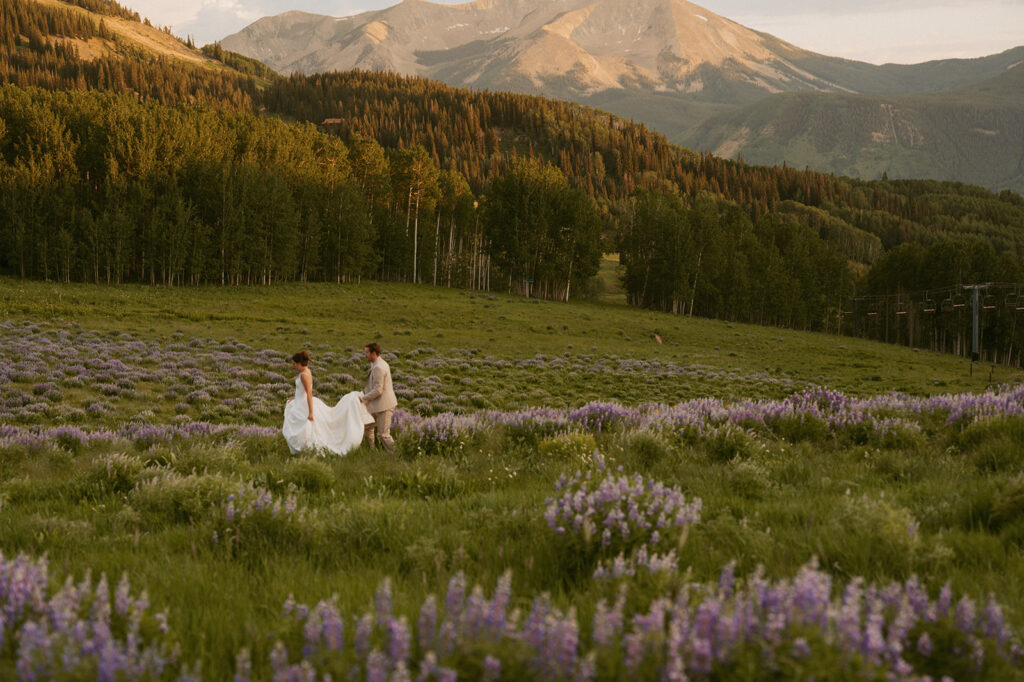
(210, 20)
(728, 8)
(902, 34)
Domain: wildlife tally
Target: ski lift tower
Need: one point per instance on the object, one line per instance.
(975, 290)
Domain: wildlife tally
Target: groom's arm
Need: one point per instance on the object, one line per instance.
(376, 385)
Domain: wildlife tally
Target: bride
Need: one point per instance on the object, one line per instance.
(309, 423)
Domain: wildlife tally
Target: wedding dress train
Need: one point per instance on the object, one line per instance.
(337, 429)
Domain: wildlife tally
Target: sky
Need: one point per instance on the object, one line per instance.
(876, 31)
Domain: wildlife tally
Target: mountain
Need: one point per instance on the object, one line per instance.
(566, 49)
(699, 78)
(669, 63)
(973, 134)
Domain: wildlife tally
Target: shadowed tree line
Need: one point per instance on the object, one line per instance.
(98, 187)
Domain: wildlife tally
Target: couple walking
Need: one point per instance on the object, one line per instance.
(311, 423)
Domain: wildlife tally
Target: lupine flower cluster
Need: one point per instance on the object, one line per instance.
(880, 416)
(254, 514)
(81, 630)
(250, 501)
(137, 434)
(619, 512)
(883, 631)
(194, 376)
(693, 631)
(225, 380)
(640, 562)
(446, 434)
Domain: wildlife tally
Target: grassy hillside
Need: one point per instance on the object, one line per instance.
(140, 442)
(752, 361)
(94, 44)
(973, 134)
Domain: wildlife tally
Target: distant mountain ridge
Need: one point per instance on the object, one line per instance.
(672, 64)
(569, 48)
(975, 133)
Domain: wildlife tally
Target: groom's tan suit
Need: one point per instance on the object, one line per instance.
(379, 398)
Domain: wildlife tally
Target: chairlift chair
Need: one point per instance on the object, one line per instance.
(1012, 301)
(928, 305)
(947, 305)
(988, 302)
(901, 307)
(873, 309)
(960, 301)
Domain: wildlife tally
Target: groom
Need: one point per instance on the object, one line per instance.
(379, 398)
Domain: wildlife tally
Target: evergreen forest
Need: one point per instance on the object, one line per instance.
(132, 166)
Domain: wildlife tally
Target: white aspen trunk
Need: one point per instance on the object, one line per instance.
(451, 239)
(437, 244)
(693, 297)
(415, 239)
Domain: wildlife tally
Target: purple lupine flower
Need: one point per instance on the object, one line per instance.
(924, 645)
(398, 640)
(455, 600)
(492, 669)
(427, 624)
(364, 628)
(376, 667)
(383, 601)
(966, 614)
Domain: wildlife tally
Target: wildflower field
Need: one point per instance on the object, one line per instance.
(570, 498)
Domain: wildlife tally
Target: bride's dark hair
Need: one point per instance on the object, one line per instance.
(302, 357)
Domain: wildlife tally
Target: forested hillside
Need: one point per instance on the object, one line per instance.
(407, 179)
(476, 132)
(975, 133)
(62, 48)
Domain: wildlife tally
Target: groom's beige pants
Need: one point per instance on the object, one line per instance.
(381, 426)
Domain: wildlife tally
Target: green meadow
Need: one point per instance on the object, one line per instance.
(940, 500)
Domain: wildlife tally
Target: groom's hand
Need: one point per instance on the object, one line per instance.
(310, 417)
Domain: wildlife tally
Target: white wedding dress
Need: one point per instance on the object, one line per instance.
(338, 428)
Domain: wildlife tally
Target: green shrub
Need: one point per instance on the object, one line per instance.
(890, 434)
(901, 465)
(206, 458)
(797, 429)
(1001, 453)
(1008, 505)
(252, 521)
(258, 449)
(180, 498)
(728, 441)
(529, 434)
(312, 475)
(645, 447)
(974, 435)
(748, 480)
(574, 447)
(112, 474)
(873, 536)
(440, 483)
